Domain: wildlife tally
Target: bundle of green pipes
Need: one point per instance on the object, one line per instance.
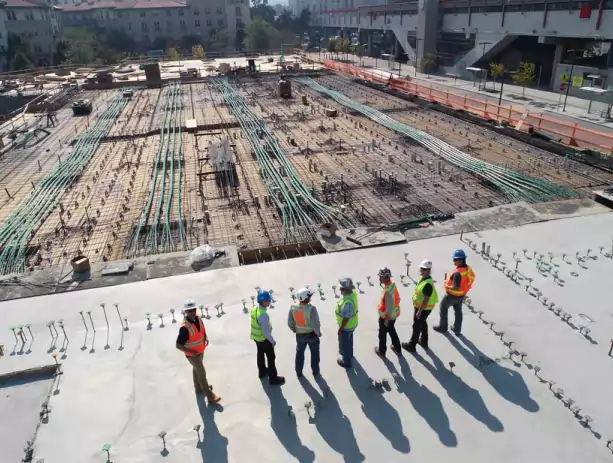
(516, 186)
(20, 227)
(163, 180)
(301, 214)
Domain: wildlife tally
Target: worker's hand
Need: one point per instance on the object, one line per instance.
(419, 312)
(340, 331)
(206, 342)
(387, 322)
(274, 343)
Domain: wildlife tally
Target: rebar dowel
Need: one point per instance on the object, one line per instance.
(119, 315)
(83, 318)
(91, 320)
(106, 319)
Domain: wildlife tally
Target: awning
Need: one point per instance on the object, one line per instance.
(594, 76)
(475, 69)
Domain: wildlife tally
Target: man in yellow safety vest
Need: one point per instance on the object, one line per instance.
(261, 333)
(192, 341)
(347, 319)
(303, 320)
(424, 299)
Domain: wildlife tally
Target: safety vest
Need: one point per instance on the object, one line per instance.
(468, 278)
(418, 295)
(256, 329)
(353, 320)
(196, 338)
(302, 318)
(391, 289)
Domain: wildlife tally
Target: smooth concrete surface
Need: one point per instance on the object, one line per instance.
(363, 237)
(20, 401)
(126, 394)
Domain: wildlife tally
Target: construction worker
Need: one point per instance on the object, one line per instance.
(303, 320)
(192, 341)
(261, 333)
(457, 285)
(424, 299)
(347, 319)
(389, 310)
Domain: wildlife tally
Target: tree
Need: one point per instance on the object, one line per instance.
(360, 52)
(332, 45)
(263, 11)
(429, 60)
(496, 70)
(173, 54)
(189, 41)
(259, 34)
(342, 46)
(60, 52)
(221, 40)
(525, 75)
(19, 54)
(285, 20)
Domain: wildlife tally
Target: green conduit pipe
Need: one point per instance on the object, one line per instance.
(17, 231)
(516, 186)
(301, 214)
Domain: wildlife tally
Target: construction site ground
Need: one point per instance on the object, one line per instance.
(523, 383)
(99, 215)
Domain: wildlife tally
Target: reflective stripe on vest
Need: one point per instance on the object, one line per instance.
(195, 340)
(302, 318)
(466, 281)
(256, 329)
(353, 320)
(393, 290)
(418, 295)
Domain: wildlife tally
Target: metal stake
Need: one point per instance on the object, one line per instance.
(83, 318)
(116, 304)
(105, 317)
(89, 312)
(174, 320)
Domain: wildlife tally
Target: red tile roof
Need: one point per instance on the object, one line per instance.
(21, 4)
(121, 5)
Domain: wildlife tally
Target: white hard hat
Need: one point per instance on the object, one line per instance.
(303, 294)
(189, 304)
(427, 264)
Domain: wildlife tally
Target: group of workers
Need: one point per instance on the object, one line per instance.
(303, 320)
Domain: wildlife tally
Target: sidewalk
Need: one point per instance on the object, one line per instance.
(537, 101)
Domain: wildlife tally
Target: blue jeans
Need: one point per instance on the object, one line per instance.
(302, 341)
(455, 302)
(345, 346)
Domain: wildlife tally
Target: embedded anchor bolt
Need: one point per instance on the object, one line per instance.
(116, 304)
(162, 435)
(451, 366)
(522, 355)
(148, 318)
(217, 307)
(551, 383)
(244, 302)
(559, 393)
(358, 283)
(369, 282)
(334, 289)
(197, 429)
(576, 410)
(252, 299)
(587, 420)
(161, 317)
(107, 448)
(125, 322)
(537, 370)
(480, 313)
(89, 312)
(172, 312)
(570, 402)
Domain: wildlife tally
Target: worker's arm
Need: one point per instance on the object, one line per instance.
(389, 304)
(315, 323)
(182, 339)
(456, 280)
(290, 321)
(263, 321)
(346, 313)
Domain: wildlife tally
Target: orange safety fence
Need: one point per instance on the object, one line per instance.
(572, 134)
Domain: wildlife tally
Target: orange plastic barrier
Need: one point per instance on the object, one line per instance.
(569, 133)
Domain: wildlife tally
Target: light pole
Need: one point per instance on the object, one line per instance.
(417, 39)
(570, 79)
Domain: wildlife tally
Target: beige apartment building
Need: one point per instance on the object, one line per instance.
(148, 20)
(35, 20)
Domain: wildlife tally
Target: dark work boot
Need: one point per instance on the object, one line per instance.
(379, 353)
(423, 343)
(439, 329)
(278, 381)
(263, 374)
(409, 346)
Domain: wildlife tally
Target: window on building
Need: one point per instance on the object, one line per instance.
(220, 22)
(119, 14)
(219, 11)
(156, 26)
(108, 15)
(238, 11)
(143, 14)
(169, 25)
(208, 22)
(239, 22)
(129, 26)
(196, 12)
(182, 23)
(207, 11)
(143, 26)
(168, 13)
(197, 23)
(181, 13)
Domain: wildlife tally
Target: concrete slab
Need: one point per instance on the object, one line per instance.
(501, 411)
(362, 237)
(20, 403)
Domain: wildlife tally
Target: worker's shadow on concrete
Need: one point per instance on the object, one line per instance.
(425, 402)
(508, 383)
(283, 423)
(377, 409)
(460, 392)
(333, 426)
(213, 446)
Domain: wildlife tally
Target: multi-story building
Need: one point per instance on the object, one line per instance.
(171, 19)
(34, 20)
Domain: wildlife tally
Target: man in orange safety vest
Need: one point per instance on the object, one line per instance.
(192, 341)
(389, 310)
(303, 320)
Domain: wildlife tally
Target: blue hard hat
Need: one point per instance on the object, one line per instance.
(264, 296)
(459, 254)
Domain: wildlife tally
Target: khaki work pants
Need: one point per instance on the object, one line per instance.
(199, 373)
